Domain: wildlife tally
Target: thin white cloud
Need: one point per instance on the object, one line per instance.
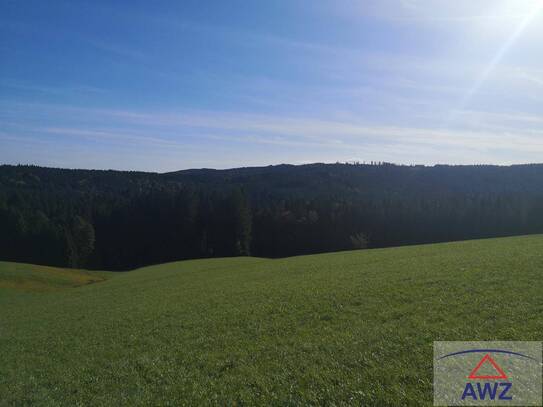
(442, 10)
(180, 131)
(531, 78)
(58, 90)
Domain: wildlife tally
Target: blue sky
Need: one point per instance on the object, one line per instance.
(167, 85)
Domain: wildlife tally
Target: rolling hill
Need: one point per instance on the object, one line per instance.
(127, 220)
(344, 328)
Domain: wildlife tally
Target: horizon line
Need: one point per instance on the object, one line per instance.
(350, 163)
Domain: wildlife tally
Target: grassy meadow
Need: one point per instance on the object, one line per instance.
(337, 329)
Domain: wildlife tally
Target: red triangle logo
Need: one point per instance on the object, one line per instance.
(497, 368)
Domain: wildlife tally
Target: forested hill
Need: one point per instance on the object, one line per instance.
(121, 220)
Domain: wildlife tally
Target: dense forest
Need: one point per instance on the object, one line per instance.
(117, 220)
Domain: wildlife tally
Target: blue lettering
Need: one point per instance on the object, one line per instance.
(487, 389)
(506, 388)
(469, 391)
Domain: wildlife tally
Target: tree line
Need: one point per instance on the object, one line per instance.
(117, 220)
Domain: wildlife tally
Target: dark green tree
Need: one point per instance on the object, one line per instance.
(243, 224)
(80, 239)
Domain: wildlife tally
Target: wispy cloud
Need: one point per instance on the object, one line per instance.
(531, 78)
(377, 84)
(219, 134)
(58, 90)
(443, 10)
(119, 50)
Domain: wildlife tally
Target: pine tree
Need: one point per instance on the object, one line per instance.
(243, 223)
(80, 242)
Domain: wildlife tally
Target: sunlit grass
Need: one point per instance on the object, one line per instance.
(28, 277)
(341, 328)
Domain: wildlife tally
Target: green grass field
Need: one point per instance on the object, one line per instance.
(343, 328)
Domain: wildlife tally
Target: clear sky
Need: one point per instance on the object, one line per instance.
(167, 85)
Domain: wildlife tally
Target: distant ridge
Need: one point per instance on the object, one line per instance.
(133, 219)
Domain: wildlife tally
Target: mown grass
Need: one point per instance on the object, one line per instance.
(338, 329)
(29, 277)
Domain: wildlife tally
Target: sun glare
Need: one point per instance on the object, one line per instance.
(524, 13)
(519, 8)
